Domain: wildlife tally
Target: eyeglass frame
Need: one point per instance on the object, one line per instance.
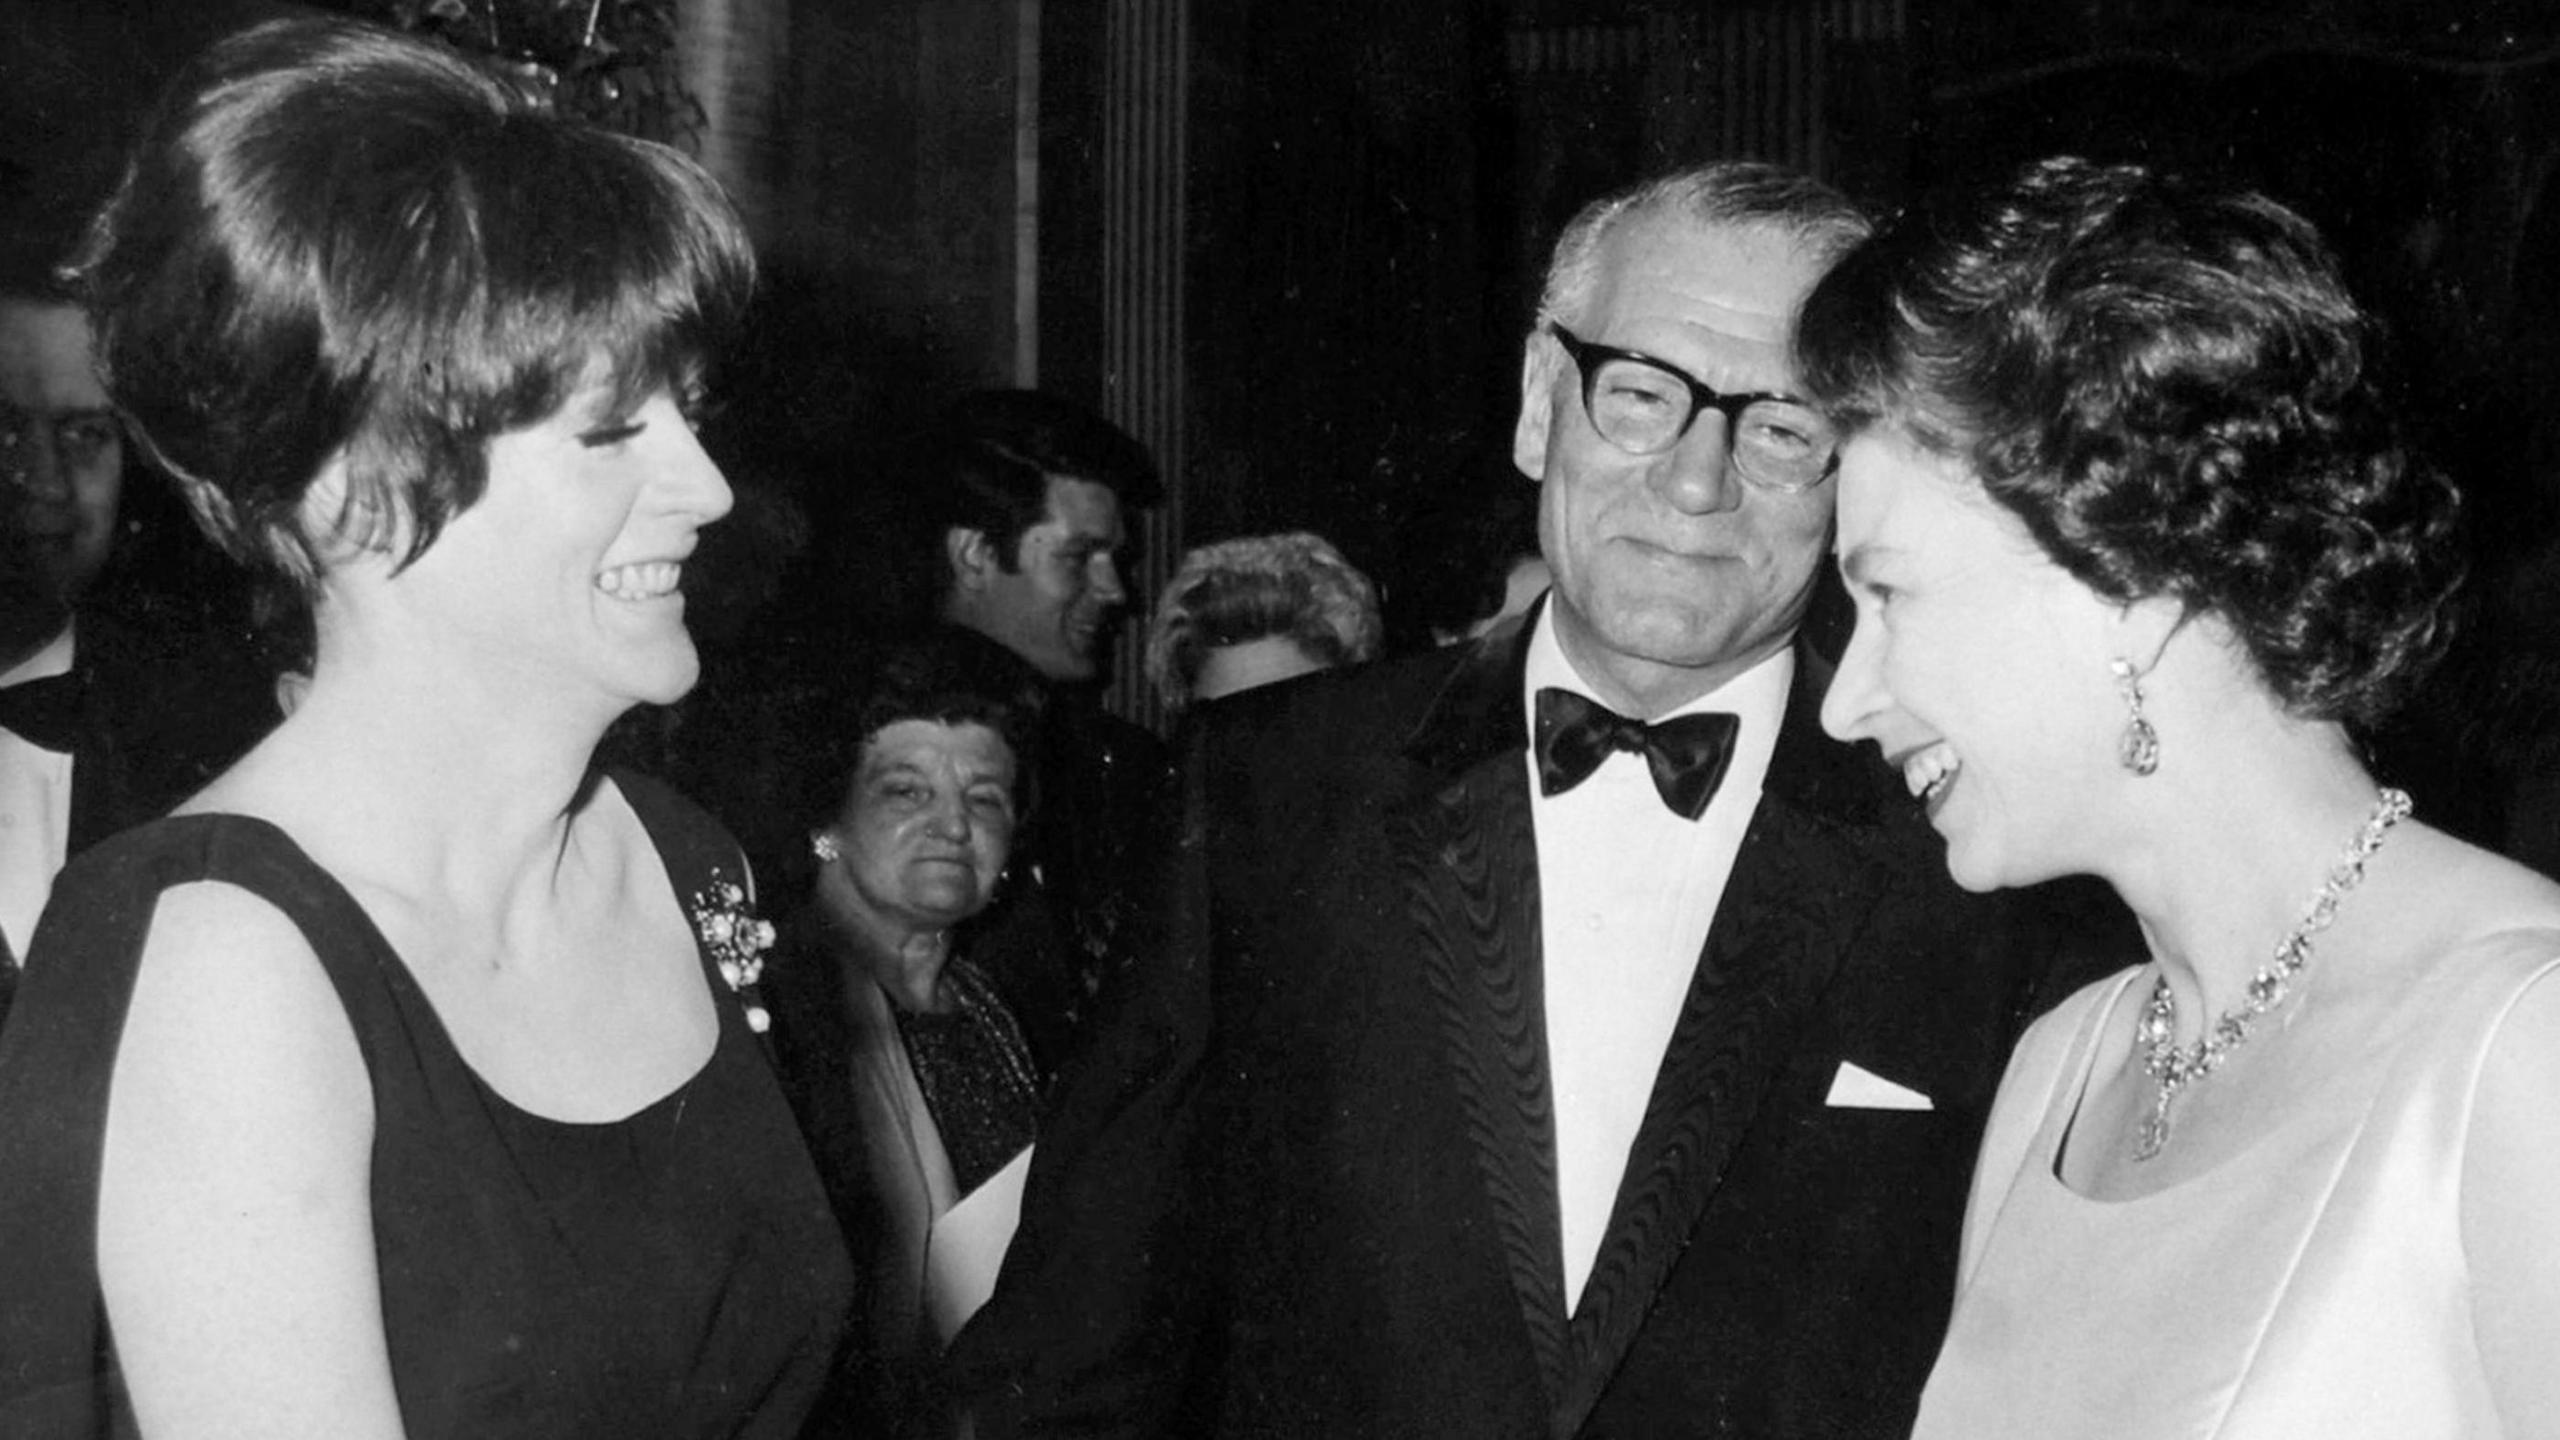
(1588, 357)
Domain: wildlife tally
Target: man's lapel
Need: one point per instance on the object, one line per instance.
(100, 773)
(8, 978)
(1467, 865)
(1801, 887)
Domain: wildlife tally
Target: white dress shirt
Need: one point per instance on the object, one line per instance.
(35, 808)
(1626, 891)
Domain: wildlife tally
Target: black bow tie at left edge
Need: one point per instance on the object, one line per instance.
(43, 712)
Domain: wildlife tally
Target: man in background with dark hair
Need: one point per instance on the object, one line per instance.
(1029, 493)
(101, 726)
(1032, 498)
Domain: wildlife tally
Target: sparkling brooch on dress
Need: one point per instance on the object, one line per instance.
(737, 939)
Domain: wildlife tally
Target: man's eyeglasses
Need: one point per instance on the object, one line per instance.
(78, 438)
(1643, 406)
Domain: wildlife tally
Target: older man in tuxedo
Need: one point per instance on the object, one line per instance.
(1553, 1035)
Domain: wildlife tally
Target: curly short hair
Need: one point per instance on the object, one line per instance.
(2171, 387)
(1292, 585)
(943, 674)
(336, 241)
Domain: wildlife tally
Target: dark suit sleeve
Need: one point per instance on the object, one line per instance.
(2083, 931)
(164, 715)
(1091, 1328)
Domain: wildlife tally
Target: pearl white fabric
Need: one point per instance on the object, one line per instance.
(2314, 1285)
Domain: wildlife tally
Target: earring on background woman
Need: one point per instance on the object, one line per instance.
(823, 845)
(2139, 749)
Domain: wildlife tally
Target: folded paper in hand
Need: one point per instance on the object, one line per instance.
(968, 1244)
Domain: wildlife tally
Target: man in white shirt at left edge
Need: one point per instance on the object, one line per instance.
(61, 474)
(120, 727)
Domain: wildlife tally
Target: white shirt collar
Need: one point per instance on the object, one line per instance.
(1627, 891)
(1757, 696)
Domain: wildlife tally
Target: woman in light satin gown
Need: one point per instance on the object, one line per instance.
(2137, 550)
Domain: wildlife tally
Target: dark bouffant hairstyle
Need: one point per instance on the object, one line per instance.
(2173, 390)
(993, 457)
(334, 241)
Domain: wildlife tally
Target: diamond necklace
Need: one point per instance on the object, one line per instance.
(2173, 1067)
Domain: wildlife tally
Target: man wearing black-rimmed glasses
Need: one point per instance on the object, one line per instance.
(1558, 1036)
(101, 727)
(61, 474)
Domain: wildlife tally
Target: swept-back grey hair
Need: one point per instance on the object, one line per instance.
(1723, 192)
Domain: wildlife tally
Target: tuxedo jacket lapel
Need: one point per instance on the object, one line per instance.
(1799, 890)
(100, 799)
(160, 716)
(1467, 866)
(1466, 853)
(1775, 942)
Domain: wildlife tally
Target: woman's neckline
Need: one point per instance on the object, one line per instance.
(407, 978)
(2061, 1123)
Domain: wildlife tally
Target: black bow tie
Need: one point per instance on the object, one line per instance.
(43, 712)
(1686, 753)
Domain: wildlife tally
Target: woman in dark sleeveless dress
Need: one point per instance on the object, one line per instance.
(397, 1086)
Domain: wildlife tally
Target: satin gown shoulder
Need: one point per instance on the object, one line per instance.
(2314, 1285)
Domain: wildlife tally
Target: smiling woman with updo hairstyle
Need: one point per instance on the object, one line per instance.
(913, 1078)
(401, 1084)
(2137, 551)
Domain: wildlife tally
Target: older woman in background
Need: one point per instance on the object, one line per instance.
(396, 1086)
(915, 1081)
(2135, 548)
(1249, 612)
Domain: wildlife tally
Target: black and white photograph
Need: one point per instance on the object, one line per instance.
(1233, 720)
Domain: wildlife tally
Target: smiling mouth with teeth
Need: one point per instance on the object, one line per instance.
(1928, 773)
(649, 580)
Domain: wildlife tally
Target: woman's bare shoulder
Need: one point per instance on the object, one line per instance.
(235, 1241)
(228, 982)
(2477, 902)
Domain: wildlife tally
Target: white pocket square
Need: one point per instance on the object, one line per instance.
(1856, 1089)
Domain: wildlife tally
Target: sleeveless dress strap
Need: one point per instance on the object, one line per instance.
(57, 1062)
(695, 847)
(2044, 1074)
